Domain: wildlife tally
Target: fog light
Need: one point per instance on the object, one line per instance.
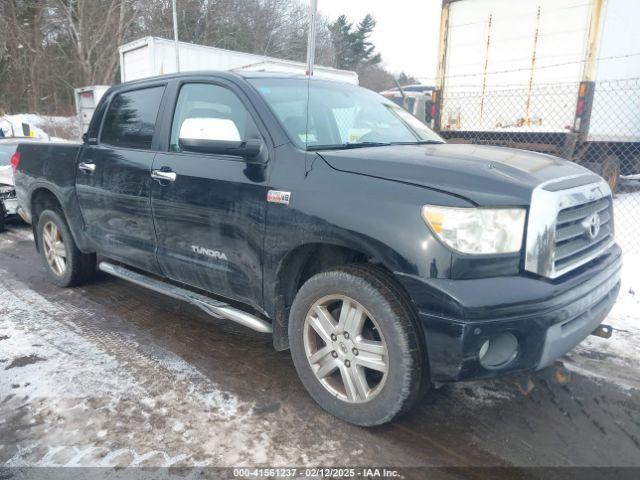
(498, 351)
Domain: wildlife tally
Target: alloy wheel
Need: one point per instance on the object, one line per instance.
(345, 348)
(54, 249)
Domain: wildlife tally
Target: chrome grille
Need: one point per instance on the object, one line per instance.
(574, 240)
(560, 233)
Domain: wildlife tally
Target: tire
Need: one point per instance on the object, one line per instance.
(608, 168)
(610, 171)
(78, 267)
(386, 307)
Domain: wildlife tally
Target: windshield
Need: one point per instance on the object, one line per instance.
(340, 115)
(6, 151)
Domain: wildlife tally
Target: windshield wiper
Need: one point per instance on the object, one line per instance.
(419, 142)
(346, 146)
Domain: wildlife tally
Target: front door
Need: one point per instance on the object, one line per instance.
(114, 182)
(209, 209)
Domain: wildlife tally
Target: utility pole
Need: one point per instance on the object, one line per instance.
(311, 42)
(175, 35)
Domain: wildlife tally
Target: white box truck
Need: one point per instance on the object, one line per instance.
(547, 75)
(150, 56)
(87, 99)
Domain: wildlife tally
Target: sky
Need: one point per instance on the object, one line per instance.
(406, 33)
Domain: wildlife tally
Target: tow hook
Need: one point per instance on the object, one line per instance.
(603, 331)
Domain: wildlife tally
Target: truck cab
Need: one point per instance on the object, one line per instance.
(323, 214)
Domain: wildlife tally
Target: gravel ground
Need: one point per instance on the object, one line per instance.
(112, 375)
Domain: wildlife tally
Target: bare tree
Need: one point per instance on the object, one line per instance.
(50, 47)
(25, 44)
(90, 33)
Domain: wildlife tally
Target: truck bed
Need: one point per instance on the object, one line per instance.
(55, 161)
(52, 166)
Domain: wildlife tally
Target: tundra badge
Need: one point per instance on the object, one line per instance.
(277, 196)
(215, 254)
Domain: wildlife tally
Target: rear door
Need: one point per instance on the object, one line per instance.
(210, 218)
(113, 182)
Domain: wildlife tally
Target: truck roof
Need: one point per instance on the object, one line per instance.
(222, 74)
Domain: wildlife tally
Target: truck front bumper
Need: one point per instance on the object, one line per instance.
(541, 319)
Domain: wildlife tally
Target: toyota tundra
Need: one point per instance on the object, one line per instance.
(321, 213)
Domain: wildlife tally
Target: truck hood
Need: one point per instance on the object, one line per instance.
(6, 175)
(483, 175)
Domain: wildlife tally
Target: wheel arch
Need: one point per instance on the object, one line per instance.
(42, 198)
(300, 264)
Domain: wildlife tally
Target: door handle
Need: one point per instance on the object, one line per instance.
(163, 175)
(87, 167)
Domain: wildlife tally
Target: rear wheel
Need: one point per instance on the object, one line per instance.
(610, 171)
(608, 168)
(356, 345)
(66, 265)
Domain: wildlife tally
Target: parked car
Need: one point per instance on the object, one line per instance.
(416, 99)
(414, 88)
(385, 259)
(8, 201)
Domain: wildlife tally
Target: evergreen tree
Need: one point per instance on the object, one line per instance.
(404, 79)
(353, 49)
(364, 49)
(342, 41)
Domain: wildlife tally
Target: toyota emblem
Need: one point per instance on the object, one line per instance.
(592, 226)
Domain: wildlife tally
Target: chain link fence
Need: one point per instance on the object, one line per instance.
(595, 124)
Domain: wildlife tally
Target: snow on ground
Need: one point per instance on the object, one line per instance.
(626, 207)
(49, 128)
(106, 397)
(62, 369)
(617, 358)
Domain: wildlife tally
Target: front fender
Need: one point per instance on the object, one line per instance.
(377, 217)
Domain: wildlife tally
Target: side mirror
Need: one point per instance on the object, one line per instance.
(218, 136)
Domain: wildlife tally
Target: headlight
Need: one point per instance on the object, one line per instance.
(477, 230)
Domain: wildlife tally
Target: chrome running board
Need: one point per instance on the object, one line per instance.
(213, 307)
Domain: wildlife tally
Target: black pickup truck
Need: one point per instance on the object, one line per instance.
(386, 260)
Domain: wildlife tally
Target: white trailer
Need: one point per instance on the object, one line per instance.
(87, 99)
(150, 56)
(537, 71)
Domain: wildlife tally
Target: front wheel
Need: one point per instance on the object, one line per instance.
(356, 345)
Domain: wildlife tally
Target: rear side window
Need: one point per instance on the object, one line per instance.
(131, 119)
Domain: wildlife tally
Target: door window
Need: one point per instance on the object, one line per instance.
(215, 106)
(131, 119)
